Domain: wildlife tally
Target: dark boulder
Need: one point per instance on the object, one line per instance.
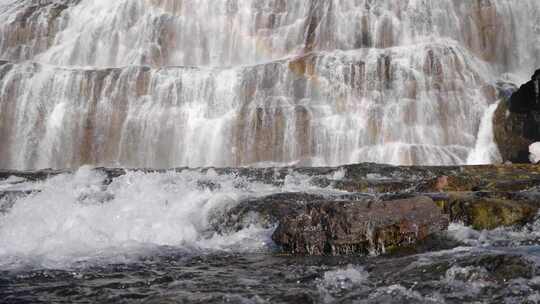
(353, 227)
(516, 122)
(527, 98)
(509, 132)
(269, 210)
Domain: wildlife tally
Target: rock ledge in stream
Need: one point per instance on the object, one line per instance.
(371, 207)
(351, 227)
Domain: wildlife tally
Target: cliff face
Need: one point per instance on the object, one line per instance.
(161, 83)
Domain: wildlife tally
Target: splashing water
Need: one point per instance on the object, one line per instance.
(341, 280)
(77, 216)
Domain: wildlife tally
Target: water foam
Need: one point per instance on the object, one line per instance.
(526, 235)
(75, 216)
(336, 281)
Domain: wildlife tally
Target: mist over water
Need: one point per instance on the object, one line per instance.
(160, 83)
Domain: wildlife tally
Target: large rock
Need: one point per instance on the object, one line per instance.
(509, 131)
(350, 227)
(516, 122)
(489, 210)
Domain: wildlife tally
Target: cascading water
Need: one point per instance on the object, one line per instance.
(163, 83)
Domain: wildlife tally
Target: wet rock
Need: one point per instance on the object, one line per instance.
(266, 211)
(517, 122)
(503, 267)
(351, 227)
(8, 199)
(488, 212)
(30, 175)
(270, 210)
(432, 243)
(497, 178)
(509, 131)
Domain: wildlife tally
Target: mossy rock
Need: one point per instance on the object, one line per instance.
(488, 213)
(495, 178)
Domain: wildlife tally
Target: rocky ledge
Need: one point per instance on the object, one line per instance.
(349, 227)
(374, 208)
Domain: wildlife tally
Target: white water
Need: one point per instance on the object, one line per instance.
(485, 151)
(229, 83)
(534, 151)
(74, 217)
(335, 281)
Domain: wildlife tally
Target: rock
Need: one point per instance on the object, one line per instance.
(517, 122)
(509, 130)
(502, 267)
(268, 211)
(485, 211)
(352, 227)
(30, 175)
(527, 98)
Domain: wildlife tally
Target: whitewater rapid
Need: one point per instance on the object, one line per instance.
(79, 217)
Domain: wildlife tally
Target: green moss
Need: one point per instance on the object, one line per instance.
(491, 214)
(484, 217)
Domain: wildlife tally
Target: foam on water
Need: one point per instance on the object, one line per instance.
(400, 294)
(74, 217)
(345, 279)
(467, 280)
(505, 236)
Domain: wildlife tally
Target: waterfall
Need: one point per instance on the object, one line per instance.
(165, 83)
(485, 151)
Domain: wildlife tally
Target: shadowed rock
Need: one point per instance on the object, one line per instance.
(509, 131)
(517, 122)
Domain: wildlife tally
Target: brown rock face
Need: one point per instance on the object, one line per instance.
(334, 228)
